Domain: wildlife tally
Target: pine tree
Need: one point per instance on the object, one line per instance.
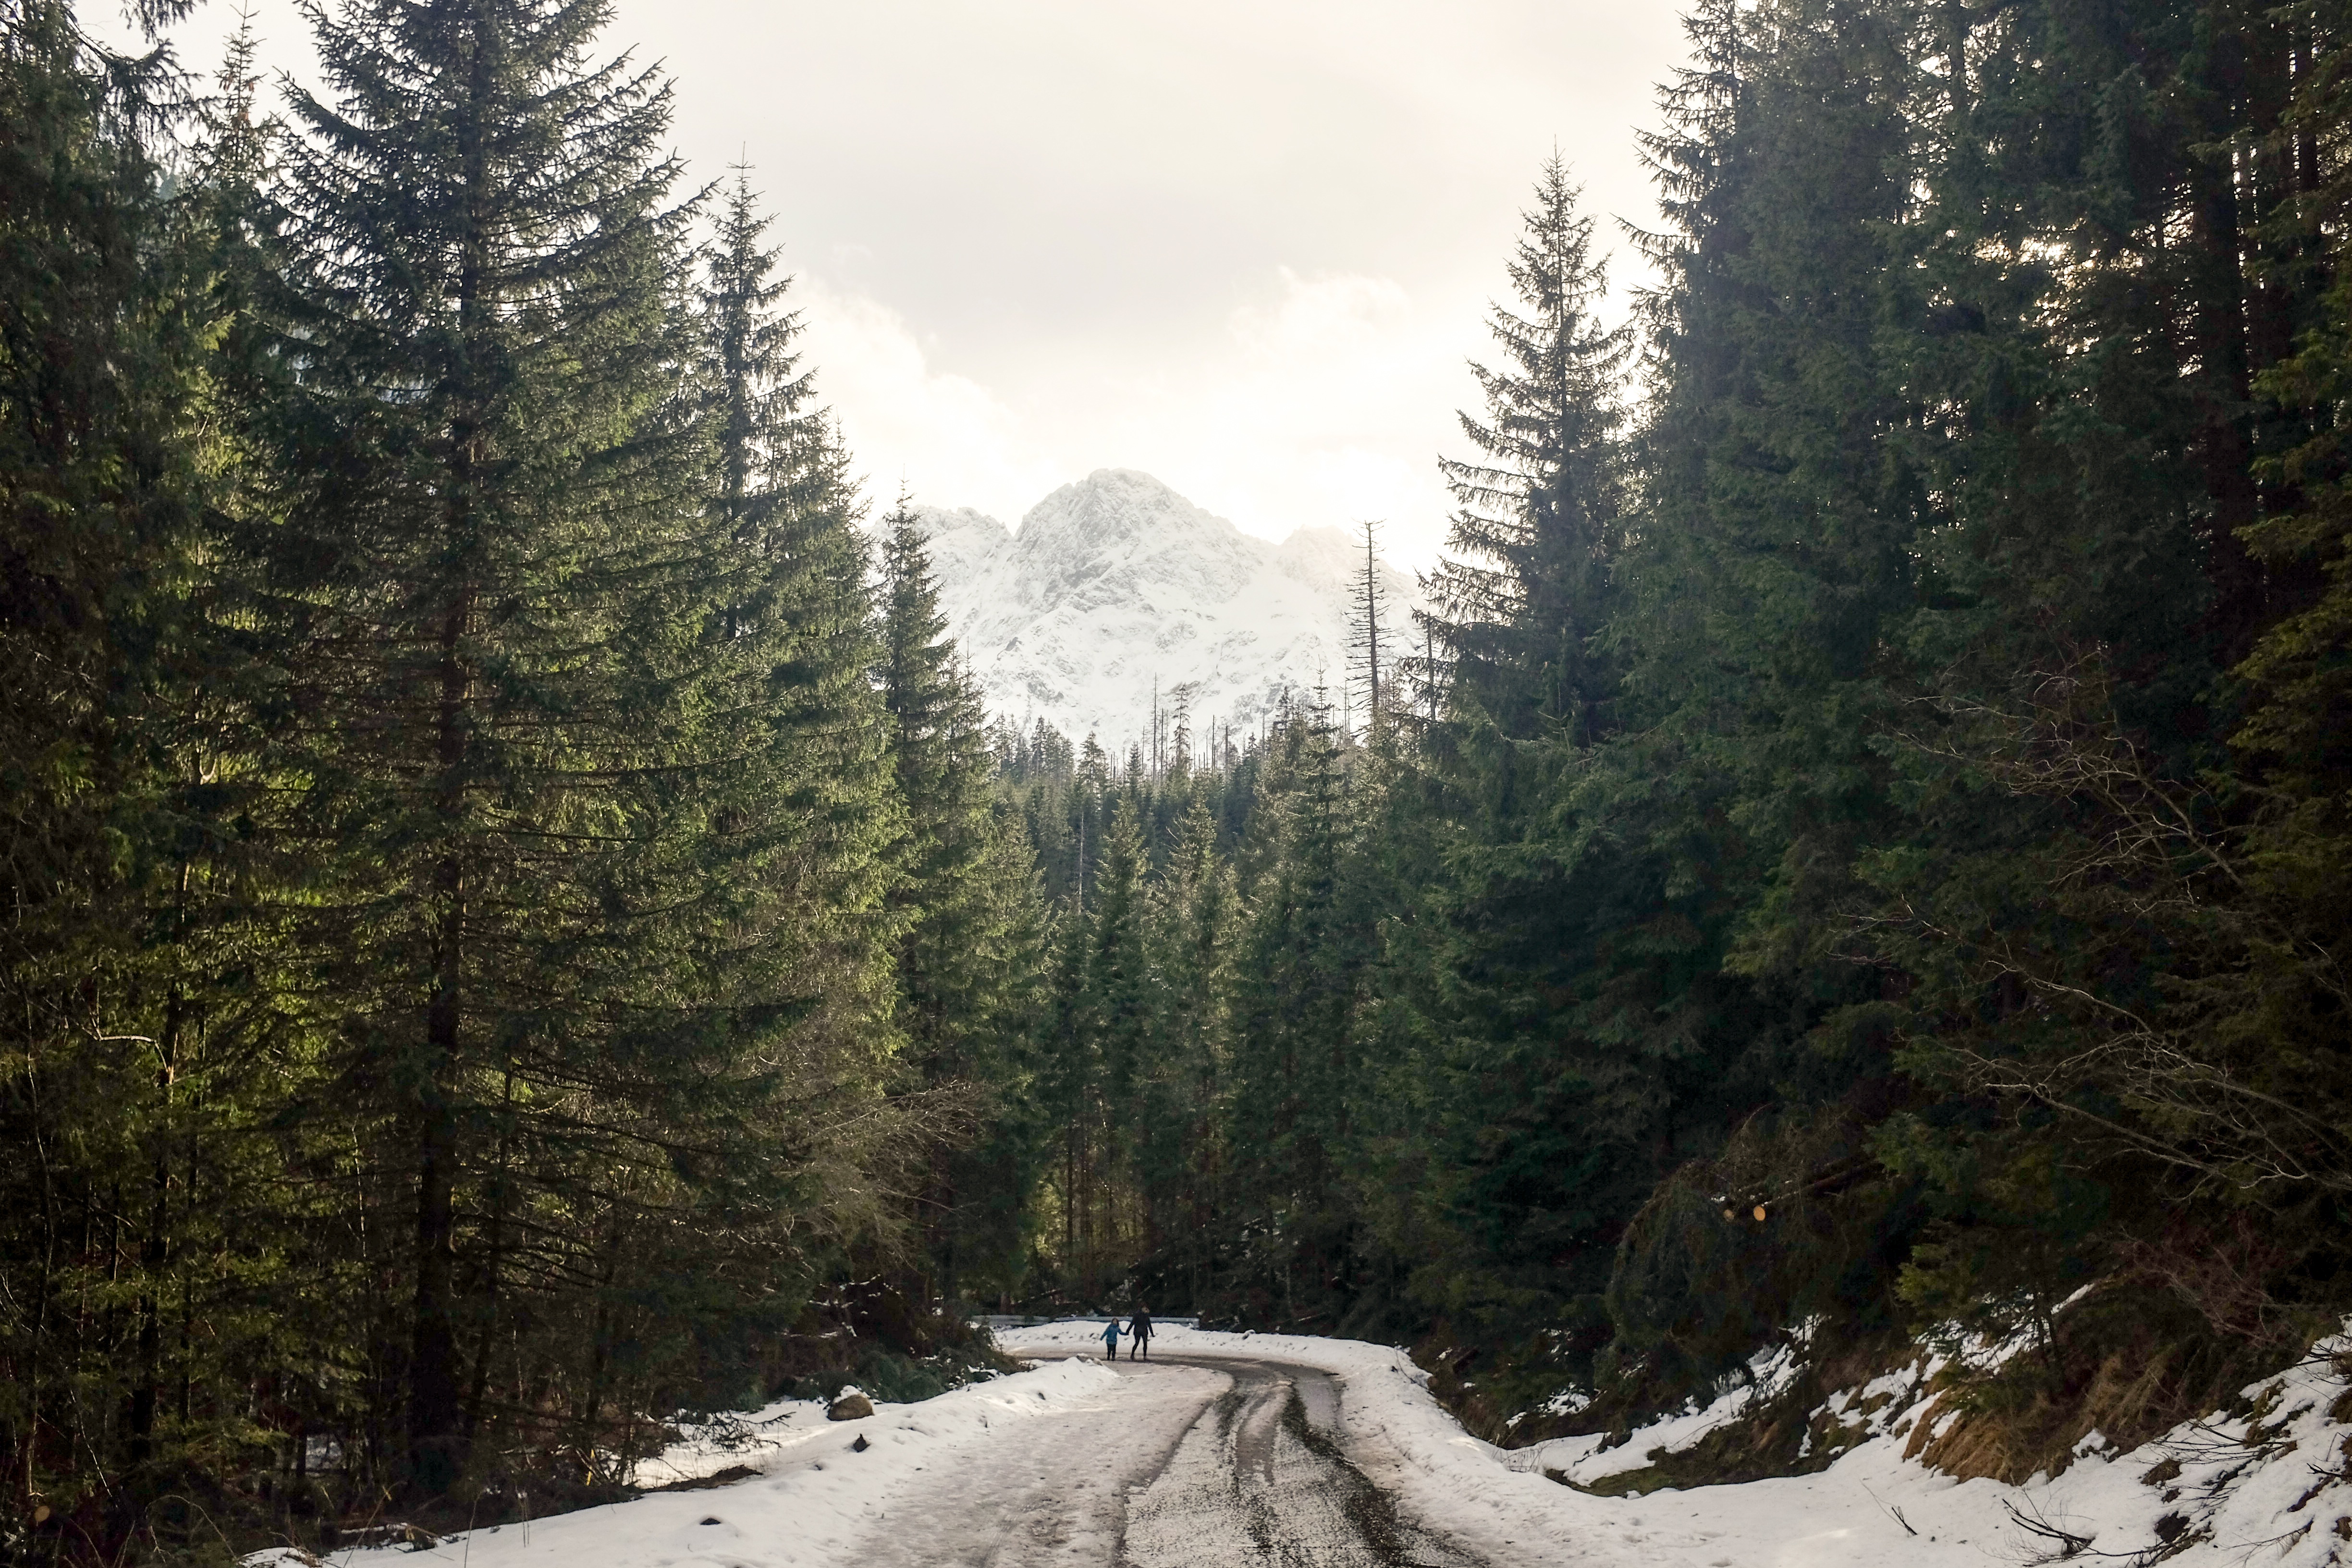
(2126, 497)
(1521, 601)
(1783, 512)
(995, 1182)
(1089, 812)
(1116, 1015)
(966, 959)
(1295, 1069)
(811, 808)
(1182, 1108)
(493, 592)
(795, 830)
(942, 774)
(149, 1041)
(1063, 1082)
(1522, 639)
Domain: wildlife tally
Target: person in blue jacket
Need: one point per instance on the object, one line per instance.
(1110, 1339)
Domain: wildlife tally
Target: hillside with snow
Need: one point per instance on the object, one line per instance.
(1117, 583)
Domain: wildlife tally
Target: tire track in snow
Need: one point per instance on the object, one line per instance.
(1265, 1482)
(1207, 1463)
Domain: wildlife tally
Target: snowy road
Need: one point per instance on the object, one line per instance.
(1178, 1464)
(1282, 1450)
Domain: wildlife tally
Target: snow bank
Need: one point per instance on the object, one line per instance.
(812, 1496)
(2266, 1490)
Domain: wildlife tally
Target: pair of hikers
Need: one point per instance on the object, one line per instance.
(1138, 1333)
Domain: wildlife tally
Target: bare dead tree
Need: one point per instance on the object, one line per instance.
(1368, 610)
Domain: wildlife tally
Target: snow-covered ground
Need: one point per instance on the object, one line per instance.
(2262, 1491)
(816, 1500)
(1057, 1464)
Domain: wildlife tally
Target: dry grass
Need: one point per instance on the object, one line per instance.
(2116, 1368)
(2122, 1366)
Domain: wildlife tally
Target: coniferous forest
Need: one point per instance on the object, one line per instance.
(519, 923)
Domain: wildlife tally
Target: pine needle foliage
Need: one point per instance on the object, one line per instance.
(1523, 594)
(969, 938)
(537, 692)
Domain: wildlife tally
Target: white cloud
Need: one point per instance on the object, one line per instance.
(1312, 407)
(1243, 247)
(946, 437)
(1320, 315)
(1310, 410)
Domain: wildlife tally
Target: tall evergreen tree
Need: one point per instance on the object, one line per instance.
(2123, 526)
(1521, 627)
(1520, 601)
(964, 959)
(992, 1224)
(1294, 1068)
(494, 590)
(1119, 982)
(799, 818)
(143, 1040)
(1183, 1105)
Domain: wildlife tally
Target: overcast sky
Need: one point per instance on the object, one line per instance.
(1243, 245)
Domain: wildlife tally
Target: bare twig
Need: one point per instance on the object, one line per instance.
(2036, 1523)
(1890, 1510)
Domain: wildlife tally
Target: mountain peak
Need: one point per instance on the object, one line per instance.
(1115, 583)
(1116, 504)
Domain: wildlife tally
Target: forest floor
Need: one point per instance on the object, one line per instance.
(1248, 1450)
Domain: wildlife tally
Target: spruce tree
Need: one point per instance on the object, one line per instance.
(797, 822)
(1065, 1087)
(991, 1225)
(493, 594)
(1295, 1080)
(1120, 996)
(1784, 511)
(785, 677)
(1182, 1104)
(141, 1044)
(2141, 466)
(964, 961)
(1520, 602)
(1523, 637)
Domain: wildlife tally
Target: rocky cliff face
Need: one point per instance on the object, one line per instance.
(1117, 580)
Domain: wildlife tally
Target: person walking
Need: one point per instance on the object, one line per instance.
(1139, 1331)
(1110, 1339)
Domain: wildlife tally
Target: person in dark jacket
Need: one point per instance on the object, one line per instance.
(1138, 1333)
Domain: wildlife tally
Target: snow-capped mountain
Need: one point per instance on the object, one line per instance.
(1118, 582)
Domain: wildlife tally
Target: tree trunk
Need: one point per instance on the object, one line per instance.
(436, 1433)
(494, 1247)
(435, 1419)
(156, 1255)
(2218, 295)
